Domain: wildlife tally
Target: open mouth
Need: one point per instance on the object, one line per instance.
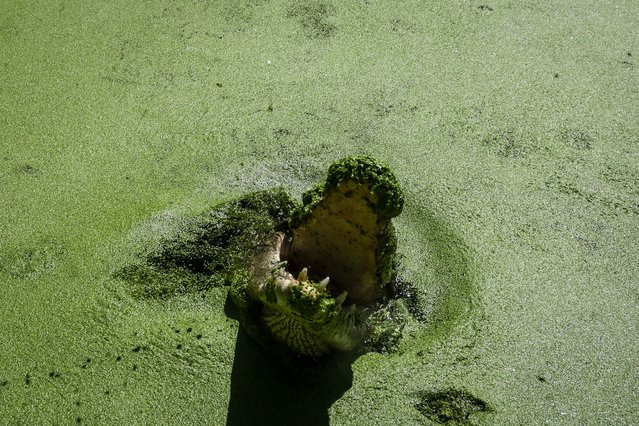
(320, 279)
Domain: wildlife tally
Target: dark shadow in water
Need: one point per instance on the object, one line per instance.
(265, 391)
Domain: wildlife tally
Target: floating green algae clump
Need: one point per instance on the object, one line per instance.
(450, 406)
(210, 250)
(311, 277)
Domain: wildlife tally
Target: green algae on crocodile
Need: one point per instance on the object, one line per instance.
(209, 250)
(339, 243)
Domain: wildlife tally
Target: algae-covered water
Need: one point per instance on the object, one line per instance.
(512, 127)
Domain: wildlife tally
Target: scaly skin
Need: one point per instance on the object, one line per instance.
(301, 313)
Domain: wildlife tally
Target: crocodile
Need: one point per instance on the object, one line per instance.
(310, 278)
(317, 283)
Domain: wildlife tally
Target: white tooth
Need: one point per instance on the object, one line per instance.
(340, 299)
(321, 287)
(303, 276)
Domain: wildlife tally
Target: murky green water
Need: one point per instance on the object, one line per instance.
(511, 126)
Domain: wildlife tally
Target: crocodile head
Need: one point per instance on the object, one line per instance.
(317, 282)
